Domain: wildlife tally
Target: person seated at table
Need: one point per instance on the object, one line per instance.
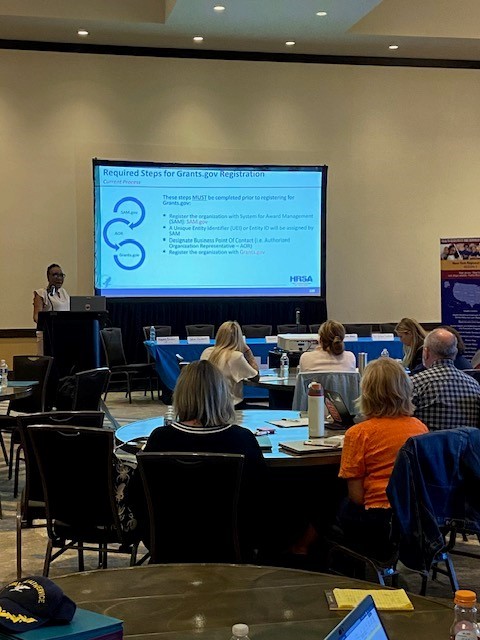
(233, 357)
(412, 336)
(369, 452)
(330, 355)
(205, 422)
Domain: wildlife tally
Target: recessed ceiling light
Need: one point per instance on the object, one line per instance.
(198, 38)
(219, 7)
(393, 46)
(290, 43)
(321, 13)
(83, 33)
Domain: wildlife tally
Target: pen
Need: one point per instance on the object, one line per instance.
(290, 419)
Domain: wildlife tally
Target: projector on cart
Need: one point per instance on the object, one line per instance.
(297, 341)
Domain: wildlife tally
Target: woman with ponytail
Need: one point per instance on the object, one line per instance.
(330, 355)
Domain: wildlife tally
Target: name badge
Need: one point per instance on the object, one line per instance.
(168, 340)
(198, 339)
(351, 337)
(271, 339)
(383, 336)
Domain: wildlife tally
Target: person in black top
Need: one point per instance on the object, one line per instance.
(412, 335)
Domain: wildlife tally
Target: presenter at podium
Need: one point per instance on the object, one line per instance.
(53, 298)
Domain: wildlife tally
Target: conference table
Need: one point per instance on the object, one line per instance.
(187, 601)
(167, 364)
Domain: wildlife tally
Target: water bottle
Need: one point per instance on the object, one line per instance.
(153, 335)
(169, 417)
(385, 353)
(464, 625)
(316, 411)
(240, 631)
(3, 374)
(284, 364)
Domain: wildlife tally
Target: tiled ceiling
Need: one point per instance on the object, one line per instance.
(438, 29)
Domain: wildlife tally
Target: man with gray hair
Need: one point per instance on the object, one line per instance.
(444, 397)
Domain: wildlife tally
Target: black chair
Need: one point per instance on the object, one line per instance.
(387, 327)
(193, 515)
(256, 330)
(200, 330)
(83, 391)
(81, 510)
(291, 328)
(117, 362)
(35, 368)
(31, 505)
(362, 330)
(160, 330)
(314, 328)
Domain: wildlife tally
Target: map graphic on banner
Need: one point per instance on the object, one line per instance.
(460, 288)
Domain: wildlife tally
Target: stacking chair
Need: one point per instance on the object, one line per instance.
(362, 330)
(35, 368)
(117, 362)
(200, 330)
(347, 384)
(291, 328)
(314, 328)
(77, 471)
(256, 330)
(193, 515)
(85, 392)
(160, 330)
(387, 327)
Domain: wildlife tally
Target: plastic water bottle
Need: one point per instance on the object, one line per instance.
(284, 364)
(240, 631)
(153, 335)
(316, 411)
(385, 353)
(464, 625)
(169, 417)
(3, 374)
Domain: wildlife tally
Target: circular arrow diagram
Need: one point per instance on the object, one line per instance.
(106, 228)
(142, 210)
(139, 263)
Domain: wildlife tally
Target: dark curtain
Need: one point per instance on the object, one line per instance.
(132, 314)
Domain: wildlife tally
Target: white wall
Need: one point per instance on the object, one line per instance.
(402, 146)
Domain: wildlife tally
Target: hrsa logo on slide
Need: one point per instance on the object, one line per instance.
(301, 279)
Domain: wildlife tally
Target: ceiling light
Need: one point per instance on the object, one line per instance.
(393, 46)
(321, 13)
(219, 7)
(83, 33)
(290, 43)
(198, 38)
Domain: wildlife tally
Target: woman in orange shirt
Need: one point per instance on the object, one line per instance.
(370, 450)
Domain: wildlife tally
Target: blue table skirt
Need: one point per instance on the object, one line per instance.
(168, 368)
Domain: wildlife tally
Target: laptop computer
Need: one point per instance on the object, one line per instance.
(333, 444)
(362, 622)
(88, 303)
(336, 407)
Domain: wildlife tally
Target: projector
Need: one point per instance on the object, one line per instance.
(297, 341)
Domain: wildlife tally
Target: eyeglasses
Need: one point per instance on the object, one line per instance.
(58, 275)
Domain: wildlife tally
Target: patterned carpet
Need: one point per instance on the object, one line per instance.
(34, 540)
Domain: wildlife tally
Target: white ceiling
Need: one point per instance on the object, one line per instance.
(441, 29)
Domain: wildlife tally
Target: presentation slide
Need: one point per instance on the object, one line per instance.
(212, 231)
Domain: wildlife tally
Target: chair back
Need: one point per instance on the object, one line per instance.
(362, 330)
(291, 328)
(387, 327)
(31, 368)
(89, 388)
(33, 491)
(160, 330)
(347, 384)
(200, 330)
(76, 467)
(113, 346)
(192, 503)
(256, 330)
(474, 373)
(314, 328)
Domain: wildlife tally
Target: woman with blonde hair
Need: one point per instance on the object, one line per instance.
(370, 449)
(412, 335)
(330, 355)
(233, 357)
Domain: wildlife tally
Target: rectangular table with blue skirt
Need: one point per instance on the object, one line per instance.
(166, 361)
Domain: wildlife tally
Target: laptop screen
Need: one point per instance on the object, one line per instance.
(362, 623)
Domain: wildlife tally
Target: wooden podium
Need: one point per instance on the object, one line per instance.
(72, 338)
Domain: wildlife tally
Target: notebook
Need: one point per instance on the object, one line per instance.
(323, 445)
(88, 303)
(336, 407)
(362, 622)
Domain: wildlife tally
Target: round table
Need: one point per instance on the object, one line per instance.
(16, 390)
(181, 601)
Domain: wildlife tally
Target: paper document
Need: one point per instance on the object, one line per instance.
(385, 599)
(287, 422)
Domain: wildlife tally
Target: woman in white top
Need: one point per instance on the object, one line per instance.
(330, 355)
(54, 297)
(233, 357)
